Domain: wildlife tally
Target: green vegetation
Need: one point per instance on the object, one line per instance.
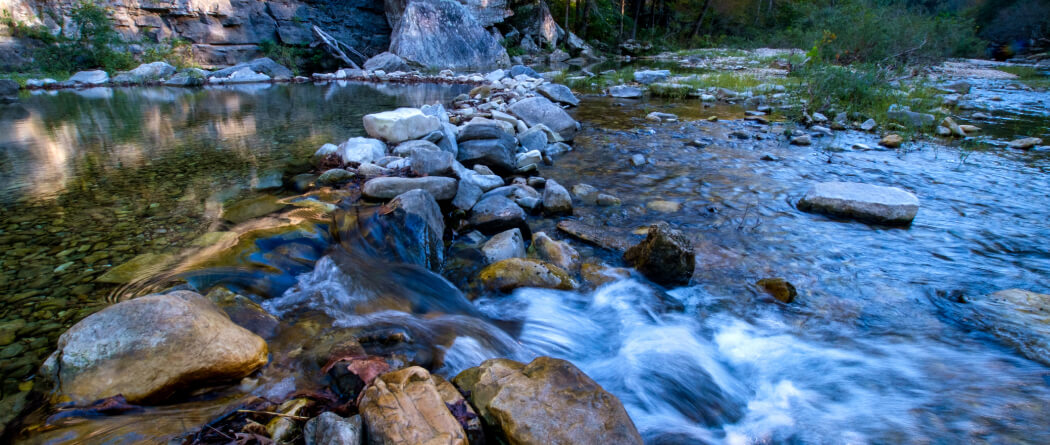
(1029, 76)
(95, 45)
(862, 91)
(301, 60)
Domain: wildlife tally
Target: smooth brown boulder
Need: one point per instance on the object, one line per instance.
(548, 401)
(512, 273)
(779, 288)
(150, 347)
(405, 407)
(665, 256)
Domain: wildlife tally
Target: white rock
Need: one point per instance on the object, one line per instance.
(504, 245)
(361, 150)
(400, 125)
(889, 205)
(94, 77)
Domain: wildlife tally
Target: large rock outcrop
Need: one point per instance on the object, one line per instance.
(548, 401)
(150, 347)
(443, 34)
(224, 33)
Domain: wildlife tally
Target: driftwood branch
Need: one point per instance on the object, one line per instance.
(334, 47)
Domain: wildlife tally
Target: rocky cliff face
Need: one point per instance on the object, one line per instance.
(224, 32)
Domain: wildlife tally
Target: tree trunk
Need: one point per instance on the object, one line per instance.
(637, 18)
(700, 20)
(587, 6)
(621, 19)
(567, 5)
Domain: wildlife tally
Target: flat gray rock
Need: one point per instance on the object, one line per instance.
(865, 202)
(441, 188)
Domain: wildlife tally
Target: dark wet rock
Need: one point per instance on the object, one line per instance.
(556, 199)
(421, 203)
(441, 188)
(335, 176)
(540, 110)
(190, 77)
(547, 401)
(903, 115)
(443, 34)
(607, 200)
(434, 162)
(513, 273)
(865, 202)
(400, 125)
(467, 194)
(8, 91)
(504, 245)
(460, 409)
(604, 237)
(533, 139)
(150, 347)
(386, 61)
(779, 288)
(651, 76)
(496, 213)
(665, 256)
(331, 429)
(487, 144)
(558, 93)
(264, 65)
(586, 193)
(244, 312)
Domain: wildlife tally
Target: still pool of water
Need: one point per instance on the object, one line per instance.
(877, 348)
(93, 178)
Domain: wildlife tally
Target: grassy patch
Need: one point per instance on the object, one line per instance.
(1029, 76)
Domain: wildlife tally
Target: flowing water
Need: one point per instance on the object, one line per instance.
(881, 345)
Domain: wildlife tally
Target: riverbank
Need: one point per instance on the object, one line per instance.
(646, 188)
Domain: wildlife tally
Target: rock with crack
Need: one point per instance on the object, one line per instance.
(405, 407)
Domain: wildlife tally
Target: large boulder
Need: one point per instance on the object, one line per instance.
(665, 256)
(151, 347)
(486, 144)
(548, 401)
(94, 77)
(400, 125)
(558, 93)
(147, 72)
(865, 202)
(358, 150)
(405, 407)
(421, 203)
(540, 110)
(264, 65)
(441, 188)
(513, 273)
(442, 34)
(534, 18)
(386, 61)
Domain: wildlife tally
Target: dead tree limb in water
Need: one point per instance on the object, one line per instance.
(334, 48)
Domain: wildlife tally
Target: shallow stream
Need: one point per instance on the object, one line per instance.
(879, 347)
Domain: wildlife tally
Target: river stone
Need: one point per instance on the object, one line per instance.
(93, 77)
(891, 141)
(360, 150)
(600, 236)
(533, 139)
(441, 188)
(334, 176)
(558, 93)
(556, 199)
(1026, 143)
(504, 245)
(651, 76)
(903, 115)
(513, 273)
(421, 203)
(263, 65)
(624, 91)
(152, 347)
(443, 34)
(434, 162)
(868, 125)
(1018, 317)
(386, 61)
(548, 401)
(467, 194)
(487, 144)
(518, 70)
(558, 253)
(405, 407)
(865, 202)
(540, 110)
(495, 213)
(190, 77)
(779, 288)
(400, 125)
(665, 256)
(330, 429)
